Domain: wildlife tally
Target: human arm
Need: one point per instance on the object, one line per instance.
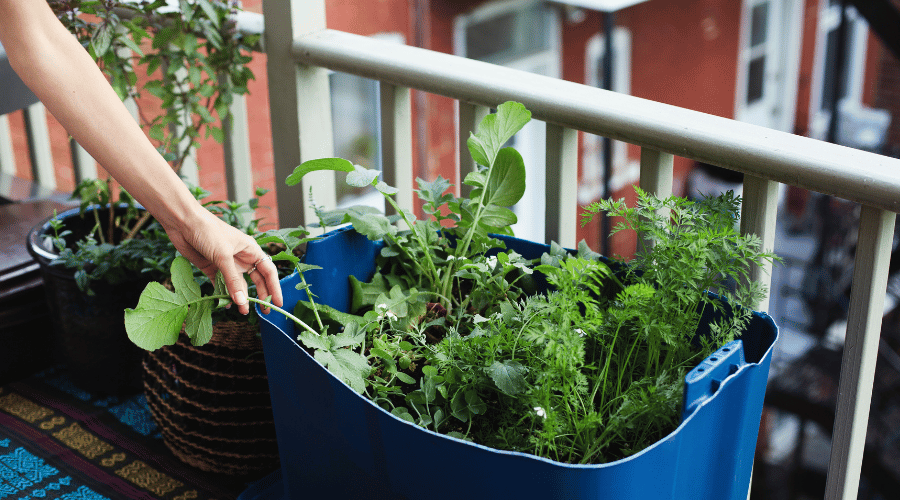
(62, 74)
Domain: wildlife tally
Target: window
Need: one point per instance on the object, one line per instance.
(824, 88)
(623, 172)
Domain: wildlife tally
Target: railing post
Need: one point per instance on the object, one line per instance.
(657, 172)
(758, 213)
(470, 115)
(84, 164)
(396, 143)
(870, 272)
(7, 157)
(561, 211)
(300, 105)
(39, 145)
(238, 171)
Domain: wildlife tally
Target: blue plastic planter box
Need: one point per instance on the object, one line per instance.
(335, 443)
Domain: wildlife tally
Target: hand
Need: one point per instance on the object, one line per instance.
(212, 245)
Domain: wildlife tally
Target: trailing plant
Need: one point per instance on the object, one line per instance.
(456, 334)
(193, 55)
(196, 61)
(113, 252)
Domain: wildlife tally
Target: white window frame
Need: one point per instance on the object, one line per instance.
(857, 38)
(789, 43)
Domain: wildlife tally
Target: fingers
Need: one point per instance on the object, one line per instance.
(265, 277)
(235, 283)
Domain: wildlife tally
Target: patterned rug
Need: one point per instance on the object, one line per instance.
(59, 442)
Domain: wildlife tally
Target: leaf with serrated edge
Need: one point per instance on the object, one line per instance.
(509, 376)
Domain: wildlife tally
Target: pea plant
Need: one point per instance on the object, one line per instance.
(570, 356)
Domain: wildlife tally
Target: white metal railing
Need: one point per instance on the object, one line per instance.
(300, 51)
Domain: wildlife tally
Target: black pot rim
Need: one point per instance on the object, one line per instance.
(36, 244)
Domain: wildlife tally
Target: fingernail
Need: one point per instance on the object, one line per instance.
(240, 299)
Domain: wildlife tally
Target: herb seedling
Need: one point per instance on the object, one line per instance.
(451, 334)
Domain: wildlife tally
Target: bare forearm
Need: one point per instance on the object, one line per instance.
(62, 74)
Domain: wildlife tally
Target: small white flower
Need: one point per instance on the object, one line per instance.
(580, 332)
(391, 316)
(491, 261)
(381, 308)
(540, 412)
(451, 257)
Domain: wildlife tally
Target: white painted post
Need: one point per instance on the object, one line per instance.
(300, 104)
(470, 115)
(84, 164)
(39, 145)
(758, 213)
(396, 143)
(238, 167)
(657, 171)
(870, 273)
(561, 210)
(7, 158)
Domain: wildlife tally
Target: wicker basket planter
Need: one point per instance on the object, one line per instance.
(212, 402)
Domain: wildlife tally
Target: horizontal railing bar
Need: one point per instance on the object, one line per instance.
(848, 173)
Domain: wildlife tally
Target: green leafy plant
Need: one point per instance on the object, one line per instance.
(111, 249)
(453, 334)
(196, 61)
(193, 54)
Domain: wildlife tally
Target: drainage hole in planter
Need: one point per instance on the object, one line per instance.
(713, 359)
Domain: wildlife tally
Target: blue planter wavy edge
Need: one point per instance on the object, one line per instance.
(334, 443)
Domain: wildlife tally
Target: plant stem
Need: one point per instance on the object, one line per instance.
(423, 244)
(276, 308)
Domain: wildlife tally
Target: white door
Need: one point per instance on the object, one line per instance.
(520, 34)
(768, 63)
